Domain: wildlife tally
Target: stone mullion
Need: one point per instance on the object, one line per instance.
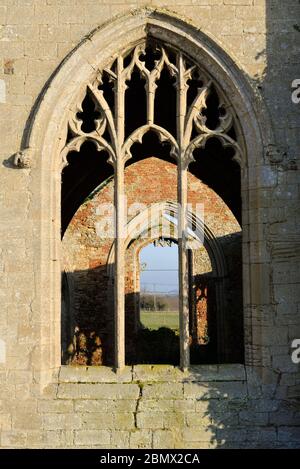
(182, 201)
(150, 90)
(119, 202)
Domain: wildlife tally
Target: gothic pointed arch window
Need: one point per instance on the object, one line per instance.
(152, 101)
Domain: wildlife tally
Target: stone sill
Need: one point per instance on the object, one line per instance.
(151, 373)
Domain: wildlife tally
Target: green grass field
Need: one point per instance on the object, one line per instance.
(157, 319)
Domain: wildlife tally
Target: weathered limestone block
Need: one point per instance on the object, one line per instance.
(92, 437)
(140, 439)
(162, 391)
(150, 420)
(285, 418)
(163, 405)
(156, 373)
(120, 439)
(264, 434)
(102, 405)
(217, 390)
(90, 374)
(69, 421)
(5, 422)
(289, 434)
(293, 392)
(97, 391)
(225, 418)
(163, 439)
(13, 439)
(124, 421)
(196, 420)
(174, 419)
(198, 434)
(186, 405)
(253, 418)
(56, 407)
(207, 373)
(94, 421)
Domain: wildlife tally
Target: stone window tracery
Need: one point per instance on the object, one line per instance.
(201, 112)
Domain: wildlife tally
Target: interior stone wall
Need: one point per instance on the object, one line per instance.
(221, 406)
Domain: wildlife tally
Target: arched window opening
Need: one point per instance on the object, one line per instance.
(152, 126)
(154, 336)
(159, 285)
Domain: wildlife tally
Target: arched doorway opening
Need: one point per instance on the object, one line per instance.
(152, 313)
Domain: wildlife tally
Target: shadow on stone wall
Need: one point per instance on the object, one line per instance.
(257, 413)
(228, 412)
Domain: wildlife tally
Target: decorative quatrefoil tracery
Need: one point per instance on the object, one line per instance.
(100, 116)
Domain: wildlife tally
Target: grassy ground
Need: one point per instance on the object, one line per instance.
(157, 319)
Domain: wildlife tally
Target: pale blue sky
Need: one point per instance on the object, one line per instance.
(157, 259)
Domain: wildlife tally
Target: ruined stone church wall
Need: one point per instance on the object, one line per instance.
(212, 406)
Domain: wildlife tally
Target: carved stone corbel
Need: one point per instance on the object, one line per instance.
(278, 155)
(275, 154)
(23, 159)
